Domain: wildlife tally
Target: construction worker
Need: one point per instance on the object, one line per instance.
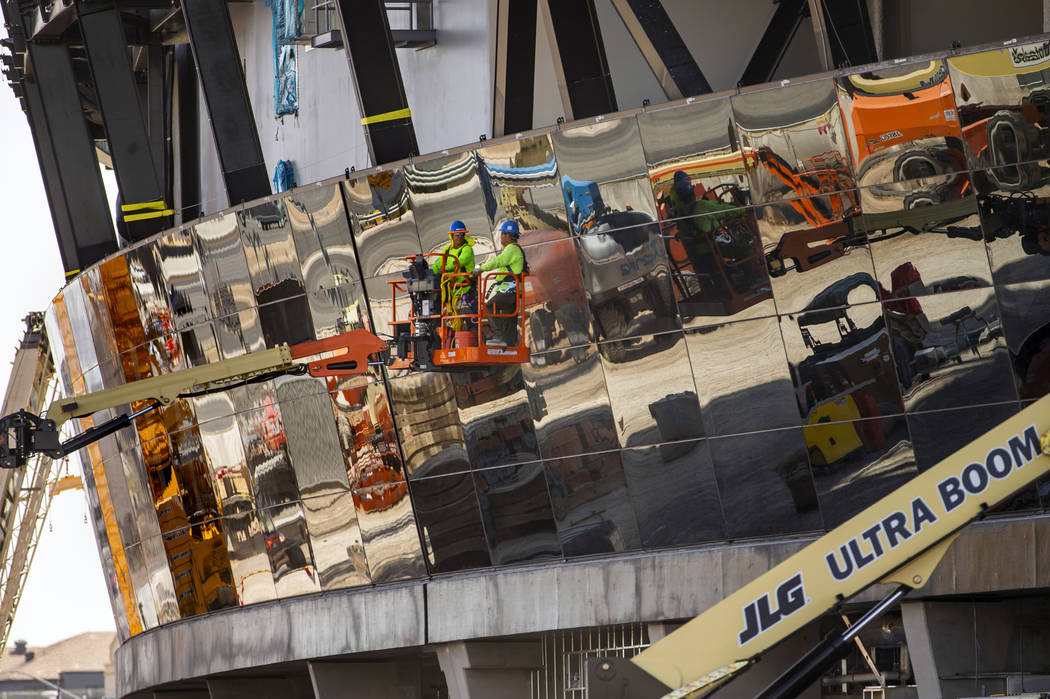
(696, 218)
(502, 293)
(456, 265)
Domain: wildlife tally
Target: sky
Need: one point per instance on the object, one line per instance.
(65, 592)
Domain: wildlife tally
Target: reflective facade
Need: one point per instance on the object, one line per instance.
(749, 316)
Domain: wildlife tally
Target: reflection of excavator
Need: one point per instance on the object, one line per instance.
(899, 540)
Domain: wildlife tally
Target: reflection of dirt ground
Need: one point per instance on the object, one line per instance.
(846, 487)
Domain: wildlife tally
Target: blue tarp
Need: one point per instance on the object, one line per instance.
(286, 29)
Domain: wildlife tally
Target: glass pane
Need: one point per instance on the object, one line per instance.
(335, 539)
(516, 511)
(495, 415)
(652, 402)
(1016, 226)
(288, 547)
(856, 463)
(738, 395)
(765, 483)
(841, 363)
(98, 319)
(445, 189)
(128, 328)
(674, 494)
(937, 435)
(388, 529)
(793, 141)
(902, 123)
(160, 578)
(249, 560)
(239, 334)
(1026, 324)
(428, 425)
(567, 389)
(273, 264)
(520, 182)
(81, 327)
(383, 221)
(286, 321)
(149, 292)
(180, 268)
(370, 454)
(340, 309)
(265, 441)
(950, 351)
(592, 507)
(321, 233)
(223, 265)
(313, 442)
(450, 523)
(555, 298)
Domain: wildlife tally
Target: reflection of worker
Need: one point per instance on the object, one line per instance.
(456, 264)
(502, 292)
(696, 219)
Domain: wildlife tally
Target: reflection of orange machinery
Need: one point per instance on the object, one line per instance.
(426, 338)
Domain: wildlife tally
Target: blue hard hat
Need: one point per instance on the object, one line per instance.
(510, 227)
(457, 227)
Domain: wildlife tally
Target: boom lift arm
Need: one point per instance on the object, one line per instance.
(23, 434)
(899, 540)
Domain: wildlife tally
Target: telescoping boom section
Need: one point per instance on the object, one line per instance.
(899, 540)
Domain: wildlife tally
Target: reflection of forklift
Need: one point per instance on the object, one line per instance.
(621, 258)
(844, 380)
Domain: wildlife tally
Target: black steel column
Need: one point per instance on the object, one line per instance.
(515, 66)
(663, 48)
(144, 208)
(849, 31)
(189, 135)
(579, 58)
(770, 51)
(76, 197)
(222, 79)
(158, 114)
(380, 91)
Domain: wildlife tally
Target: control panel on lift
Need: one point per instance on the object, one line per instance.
(456, 319)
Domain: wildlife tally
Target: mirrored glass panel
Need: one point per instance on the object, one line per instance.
(520, 182)
(812, 246)
(253, 579)
(427, 419)
(603, 174)
(902, 122)
(180, 269)
(160, 579)
(239, 334)
(320, 230)
(446, 189)
(591, 504)
(570, 404)
(841, 363)
(652, 402)
(855, 463)
(288, 546)
(383, 221)
(144, 599)
(117, 490)
(388, 529)
(128, 327)
(335, 540)
(150, 294)
(1000, 96)
(673, 491)
(98, 319)
(517, 515)
(200, 567)
(364, 429)
(496, 416)
(1016, 226)
(925, 237)
(340, 309)
(223, 265)
(555, 298)
(937, 435)
(80, 326)
(261, 426)
(765, 484)
(199, 346)
(450, 523)
(273, 265)
(224, 451)
(56, 322)
(742, 376)
(123, 595)
(1026, 327)
(286, 321)
(312, 438)
(950, 350)
(793, 141)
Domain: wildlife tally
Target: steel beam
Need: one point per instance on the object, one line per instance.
(189, 135)
(779, 33)
(515, 66)
(579, 58)
(369, 48)
(226, 95)
(850, 37)
(76, 196)
(662, 46)
(144, 206)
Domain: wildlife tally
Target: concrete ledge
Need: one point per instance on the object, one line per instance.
(998, 555)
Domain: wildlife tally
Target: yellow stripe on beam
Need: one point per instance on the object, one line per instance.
(149, 214)
(388, 116)
(154, 205)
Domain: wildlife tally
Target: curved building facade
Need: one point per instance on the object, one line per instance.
(750, 315)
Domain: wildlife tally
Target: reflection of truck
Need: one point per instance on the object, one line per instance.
(621, 258)
(899, 540)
